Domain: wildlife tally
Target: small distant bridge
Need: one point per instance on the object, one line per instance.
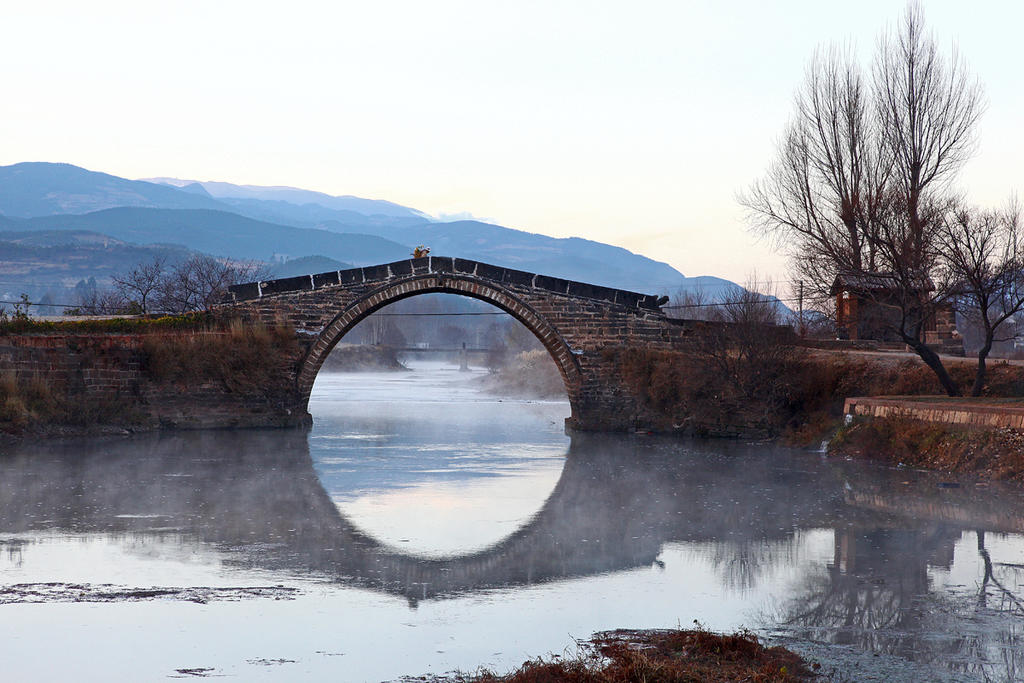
(439, 349)
(581, 325)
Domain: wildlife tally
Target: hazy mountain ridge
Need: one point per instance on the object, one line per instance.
(297, 196)
(42, 189)
(307, 265)
(224, 234)
(313, 215)
(279, 223)
(572, 258)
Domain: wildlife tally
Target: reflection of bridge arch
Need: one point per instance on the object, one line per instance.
(257, 496)
(404, 288)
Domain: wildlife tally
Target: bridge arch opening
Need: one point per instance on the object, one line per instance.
(454, 472)
(354, 313)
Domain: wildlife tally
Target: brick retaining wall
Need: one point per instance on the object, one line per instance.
(89, 369)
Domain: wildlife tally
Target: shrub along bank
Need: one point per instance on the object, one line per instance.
(794, 393)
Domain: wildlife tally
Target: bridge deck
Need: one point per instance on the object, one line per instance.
(443, 265)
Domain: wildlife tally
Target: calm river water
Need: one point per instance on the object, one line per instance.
(423, 527)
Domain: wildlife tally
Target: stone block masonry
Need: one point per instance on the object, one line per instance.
(576, 322)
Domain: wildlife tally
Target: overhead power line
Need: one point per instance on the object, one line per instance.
(766, 300)
(402, 315)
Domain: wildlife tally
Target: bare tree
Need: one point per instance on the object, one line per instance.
(862, 183)
(691, 303)
(927, 108)
(914, 287)
(141, 282)
(983, 253)
(745, 342)
(822, 192)
(102, 302)
(200, 281)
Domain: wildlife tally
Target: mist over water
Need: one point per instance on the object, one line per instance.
(442, 470)
(423, 526)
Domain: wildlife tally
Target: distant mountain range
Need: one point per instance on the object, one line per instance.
(292, 197)
(64, 204)
(224, 234)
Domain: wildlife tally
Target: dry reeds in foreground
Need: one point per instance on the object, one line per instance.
(675, 656)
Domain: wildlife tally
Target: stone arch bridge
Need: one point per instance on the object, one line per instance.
(582, 326)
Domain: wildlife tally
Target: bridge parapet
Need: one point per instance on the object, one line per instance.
(442, 265)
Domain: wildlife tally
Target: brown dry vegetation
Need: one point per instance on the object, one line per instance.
(241, 356)
(119, 325)
(675, 656)
(798, 395)
(29, 404)
(996, 454)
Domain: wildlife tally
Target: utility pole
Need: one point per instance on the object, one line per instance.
(803, 329)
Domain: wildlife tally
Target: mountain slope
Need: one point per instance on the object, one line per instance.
(224, 234)
(299, 197)
(313, 215)
(46, 265)
(307, 265)
(42, 189)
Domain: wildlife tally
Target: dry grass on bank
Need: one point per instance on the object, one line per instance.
(22, 324)
(30, 404)
(996, 454)
(662, 657)
(242, 356)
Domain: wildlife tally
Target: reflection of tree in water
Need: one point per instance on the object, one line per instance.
(875, 596)
(743, 565)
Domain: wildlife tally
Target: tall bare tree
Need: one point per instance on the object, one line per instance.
(823, 191)
(862, 181)
(983, 254)
(928, 108)
(915, 287)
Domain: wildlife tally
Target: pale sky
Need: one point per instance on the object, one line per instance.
(633, 123)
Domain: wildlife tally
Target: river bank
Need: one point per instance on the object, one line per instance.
(529, 375)
(990, 453)
(362, 358)
(792, 393)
